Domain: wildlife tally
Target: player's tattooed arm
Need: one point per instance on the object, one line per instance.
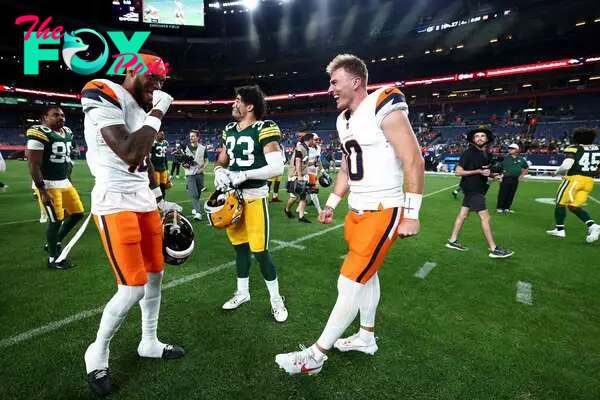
(151, 175)
(131, 147)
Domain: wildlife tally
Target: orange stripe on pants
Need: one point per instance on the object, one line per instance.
(133, 244)
(370, 237)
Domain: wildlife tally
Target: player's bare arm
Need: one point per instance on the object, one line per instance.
(398, 131)
(35, 158)
(131, 147)
(151, 175)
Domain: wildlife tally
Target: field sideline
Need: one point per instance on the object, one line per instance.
(456, 334)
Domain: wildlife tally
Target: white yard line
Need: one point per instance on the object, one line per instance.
(288, 244)
(56, 325)
(594, 199)
(425, 270)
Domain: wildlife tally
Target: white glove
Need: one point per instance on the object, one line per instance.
(166, 206)
(237, 178)
(161, 101)
(222, 179)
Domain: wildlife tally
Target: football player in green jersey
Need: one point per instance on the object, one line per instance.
(580, 166)
(48, 154)
(252, 155)
(158, 156)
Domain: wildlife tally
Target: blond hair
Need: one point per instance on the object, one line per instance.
(351, 64)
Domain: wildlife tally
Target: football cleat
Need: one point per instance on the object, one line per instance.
(156, 349)
(237, 300)
(557, 233)
(288, 213)
(278, 309)
(224, 208)
(171, 352)
(100, 382)
(593, 233)
(178, 238)
(276, 200)
(455, 246)
(499, 253)
(356, 343)
(64, 264)
(300, 362)
(304, 220)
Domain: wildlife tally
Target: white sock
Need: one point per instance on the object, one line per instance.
(369, 300)
(318, 354)
(150, 346)
(115, 311)
(343, 313)
(243, 285)
(315, 199)
(273, 287)
(367, 336)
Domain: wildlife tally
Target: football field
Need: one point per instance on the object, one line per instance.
(456, 333)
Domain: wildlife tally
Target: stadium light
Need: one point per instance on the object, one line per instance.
(251, 4)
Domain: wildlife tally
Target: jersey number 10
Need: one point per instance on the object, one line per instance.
(354, 160)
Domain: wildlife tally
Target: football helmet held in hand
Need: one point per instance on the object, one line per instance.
(325, 180)
(178, 238)
(224, 208)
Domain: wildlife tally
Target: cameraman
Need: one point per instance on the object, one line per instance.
(195, 161)
(298, 177)
(474, 170)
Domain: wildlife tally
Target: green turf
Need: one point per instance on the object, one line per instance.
(458, 334)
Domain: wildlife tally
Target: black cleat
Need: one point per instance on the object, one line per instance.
(99, 382)
(455, 194)
(304, 220)
(64, 264)
(171, 352)
(288, 213)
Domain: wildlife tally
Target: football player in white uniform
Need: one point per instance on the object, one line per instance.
(383, 172)
(315, 168)
(119, 134)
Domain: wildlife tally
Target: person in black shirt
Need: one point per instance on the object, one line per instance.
(474, 170)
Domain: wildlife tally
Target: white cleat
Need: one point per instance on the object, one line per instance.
(356, 343)
(300, 362)
(237, 300)
(278, 309)
(593, 233)
(557, 233)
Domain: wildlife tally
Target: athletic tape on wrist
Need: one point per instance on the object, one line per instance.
(412, 205)
(153, 122)
(333, 201)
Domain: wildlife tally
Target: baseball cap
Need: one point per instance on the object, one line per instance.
(514, 146)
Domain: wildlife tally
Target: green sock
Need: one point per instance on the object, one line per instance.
(560, 213)
(52, 238)
(68, 224)
(242, 260)
(583, 215)
(276, 188)
(266, 265)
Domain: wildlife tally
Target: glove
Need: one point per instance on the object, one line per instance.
(222, 179)
(237, 178)
(166, 206)
(161, 101)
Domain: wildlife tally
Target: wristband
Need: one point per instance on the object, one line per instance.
(40, 185)
(153, 122)
(412, 205)
(157, 192)
(333, 201)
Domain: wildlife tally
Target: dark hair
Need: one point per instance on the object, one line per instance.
(148, 52)
(49, 108)
(584, 135)
(253, 95)
(307, 137)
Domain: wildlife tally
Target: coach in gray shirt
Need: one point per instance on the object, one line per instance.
(194, 164)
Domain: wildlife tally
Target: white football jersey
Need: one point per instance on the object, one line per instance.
(314, 155)
(374, 172)
(118, 186)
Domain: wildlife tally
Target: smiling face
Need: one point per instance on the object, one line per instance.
(144, 86)
(343, 86)
(239, 109)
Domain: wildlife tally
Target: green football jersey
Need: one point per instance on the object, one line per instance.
(57, 150)
(245, 147)
(587, 159)
(158, 156)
